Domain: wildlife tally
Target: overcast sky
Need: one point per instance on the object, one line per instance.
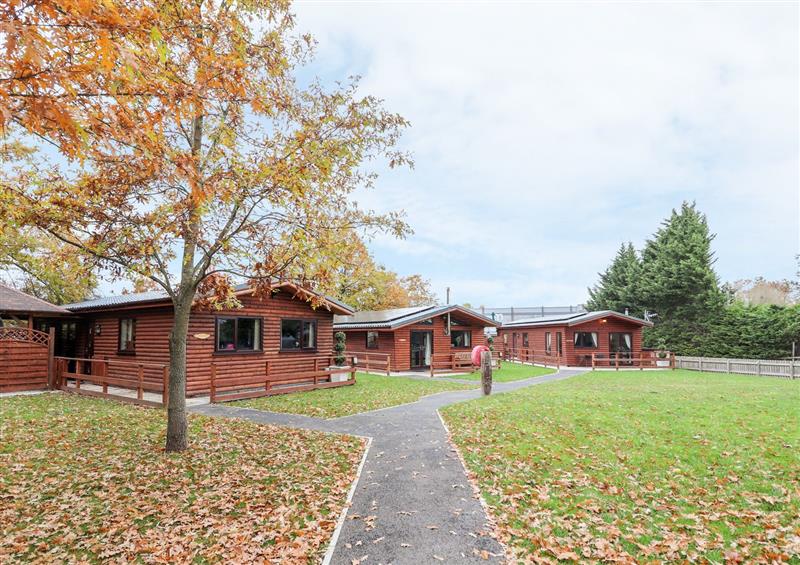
(545, 134)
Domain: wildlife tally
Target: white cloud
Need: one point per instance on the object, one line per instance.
(546, 134)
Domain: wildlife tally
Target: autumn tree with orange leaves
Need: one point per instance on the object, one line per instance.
(172, 142)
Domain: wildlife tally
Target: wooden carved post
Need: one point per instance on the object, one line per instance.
(486, 372)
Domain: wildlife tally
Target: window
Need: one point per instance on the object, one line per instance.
(559, 347)
(372, 340)
(238, 334)
(525, 341)
(548, 343)
(127, 335)
(460, 338)
(585, 339)
(298, 334)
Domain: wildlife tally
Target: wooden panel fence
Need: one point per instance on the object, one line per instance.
(785, 368)
(282, 376)
(25, 359)
(118, 380)
(374, 362)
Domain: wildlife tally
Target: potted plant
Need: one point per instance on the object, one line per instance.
(339, 371)
(662, 360)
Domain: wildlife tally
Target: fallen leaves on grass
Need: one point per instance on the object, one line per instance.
(594, 469)
(88, 480)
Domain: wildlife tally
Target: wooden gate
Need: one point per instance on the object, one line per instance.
(26, 359)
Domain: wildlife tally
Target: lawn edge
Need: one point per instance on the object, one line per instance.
(347, 503)
(476, 491)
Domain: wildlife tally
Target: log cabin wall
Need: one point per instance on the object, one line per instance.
(573, 356)
(397, 342)
(154, 324)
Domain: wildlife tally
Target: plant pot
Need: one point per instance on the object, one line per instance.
(339, 374)
(662, 362)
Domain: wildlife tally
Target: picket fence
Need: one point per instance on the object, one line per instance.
(789, 369)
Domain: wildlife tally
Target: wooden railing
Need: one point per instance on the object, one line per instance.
(73, 373)
(647, 360)
(460, 362)
(373, 362)
(526, 355)
(282, 377)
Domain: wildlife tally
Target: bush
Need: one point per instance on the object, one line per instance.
(339, 347)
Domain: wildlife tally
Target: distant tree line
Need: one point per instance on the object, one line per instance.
(672, 280)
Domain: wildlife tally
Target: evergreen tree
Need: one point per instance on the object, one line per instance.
(618, 286)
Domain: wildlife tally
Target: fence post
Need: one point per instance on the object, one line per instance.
(50, 351)
(727, 365)
(267, 384)
(758, 367)
(791, 367)
(165, 387)
(701, 363)
(139, 389)
(103, 374)
(214, 382)
(388, 365)
(673, 361)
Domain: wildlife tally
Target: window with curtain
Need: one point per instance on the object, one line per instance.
(460, 338)
(559, 346)
(127, 335)
(585, 339)
(297, 335)
(238, 334)
(372, 340)
(548, 343)
(525, 341)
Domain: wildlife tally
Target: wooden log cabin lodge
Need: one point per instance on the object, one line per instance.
(602, 339)
(414, 339)
(268, 337)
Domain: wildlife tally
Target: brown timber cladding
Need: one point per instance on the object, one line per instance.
(572, 356)
(397, 343)
(153, 326)
(23, 366)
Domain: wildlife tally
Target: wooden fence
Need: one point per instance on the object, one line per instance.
(282, 377)
(461, 362)
(525, 355)
(785, 368)
(374, 362)
(72, 374)
(26, 359)
(647, 360)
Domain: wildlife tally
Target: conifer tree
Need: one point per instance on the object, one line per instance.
(618, 286)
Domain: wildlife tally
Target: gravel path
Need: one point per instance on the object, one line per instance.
(413, 502)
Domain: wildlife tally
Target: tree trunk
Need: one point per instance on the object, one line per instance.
(182, 306)
(176, 410)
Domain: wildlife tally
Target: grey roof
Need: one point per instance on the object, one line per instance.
(573, 319)
(158, 296)
(398, 317)
(12, 300)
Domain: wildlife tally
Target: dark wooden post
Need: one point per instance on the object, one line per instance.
(486, 372)
(51, 344)
(140, 387)
(213, 382)
(388, 365)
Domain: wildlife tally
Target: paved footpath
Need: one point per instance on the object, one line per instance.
(413, 502)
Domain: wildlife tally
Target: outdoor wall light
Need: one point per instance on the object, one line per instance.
(97, 328)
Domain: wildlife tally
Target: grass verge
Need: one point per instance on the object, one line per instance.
(370, 392)
(88, 480)
(511, 372)
(639, 467)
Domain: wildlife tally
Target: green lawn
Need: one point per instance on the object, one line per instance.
(639, 467)
(87, 480)
(511, 372)
(370, 392)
